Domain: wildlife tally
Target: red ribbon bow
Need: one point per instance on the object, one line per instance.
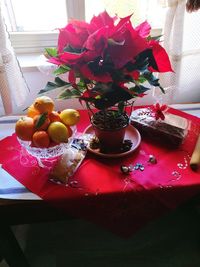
(158, 111)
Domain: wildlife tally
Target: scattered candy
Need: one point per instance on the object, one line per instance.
(176, 174)
(139, 166)
(125, 169)
(73, 183)
(152, 159)
(184, 165)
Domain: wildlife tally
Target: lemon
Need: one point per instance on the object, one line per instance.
(70, 116)
(58, 132)
(43, 104)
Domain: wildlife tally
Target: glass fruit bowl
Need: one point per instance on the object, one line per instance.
(49, 152)
(46, 155)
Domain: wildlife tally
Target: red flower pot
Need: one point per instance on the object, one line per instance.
(110, 138)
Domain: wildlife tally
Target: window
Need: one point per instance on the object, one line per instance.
(36, 15)
(141, 10)
(33, 24)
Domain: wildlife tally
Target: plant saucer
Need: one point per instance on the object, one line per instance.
(131, 134)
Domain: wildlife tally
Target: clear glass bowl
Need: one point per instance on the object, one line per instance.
(46, 153)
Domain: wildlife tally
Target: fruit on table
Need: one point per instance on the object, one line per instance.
(44, 126)
(24, 128)
(70, 116)
(41, 122)
(41, 139)
(32, 112)
(70, 132)
(44, 104)
(54, 116)
(58, 132)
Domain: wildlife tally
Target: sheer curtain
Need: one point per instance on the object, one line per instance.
(13, 89)
(181, 36)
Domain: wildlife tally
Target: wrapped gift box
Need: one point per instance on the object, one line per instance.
(170, 131)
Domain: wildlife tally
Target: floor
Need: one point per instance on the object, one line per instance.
(173, 241)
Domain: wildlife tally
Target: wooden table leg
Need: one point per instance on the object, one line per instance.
(10, 249)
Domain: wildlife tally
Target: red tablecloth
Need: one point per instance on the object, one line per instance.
(102, 194)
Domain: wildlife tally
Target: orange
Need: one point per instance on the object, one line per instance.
(32, 112)
(54, 116)
(44, 104)
(70, 132)
(58, 132)
(24, 128)
(70, 116)
(41, 139)
(41, 122)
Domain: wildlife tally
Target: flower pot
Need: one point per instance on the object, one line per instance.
(110, 128)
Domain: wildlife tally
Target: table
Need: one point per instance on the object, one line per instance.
(20, 209)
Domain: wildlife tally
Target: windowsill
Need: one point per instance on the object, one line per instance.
(28, 61)
(31, 62)
(32, 42)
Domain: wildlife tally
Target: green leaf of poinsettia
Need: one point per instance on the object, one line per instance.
(81, 85)
(52, 86)
(139, 89)
(62, 69)
(140, 65)
(51, 51)
(146, 57)
(141, 79)
(151, 78)
(162, 89)
(49, 86)
(70, 93)
(112, 97)
(156, 38)
(121, 106)
(60, 82)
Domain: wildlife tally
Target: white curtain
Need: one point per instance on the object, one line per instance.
(13, 89)
(182, 41)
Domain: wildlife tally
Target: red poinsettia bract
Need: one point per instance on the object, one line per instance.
(80, 43)
(109, 50)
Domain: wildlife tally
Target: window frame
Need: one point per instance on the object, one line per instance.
(35, 42)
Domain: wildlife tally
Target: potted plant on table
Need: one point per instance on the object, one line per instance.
(109, 64)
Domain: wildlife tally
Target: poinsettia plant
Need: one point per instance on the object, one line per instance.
(108, 61)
